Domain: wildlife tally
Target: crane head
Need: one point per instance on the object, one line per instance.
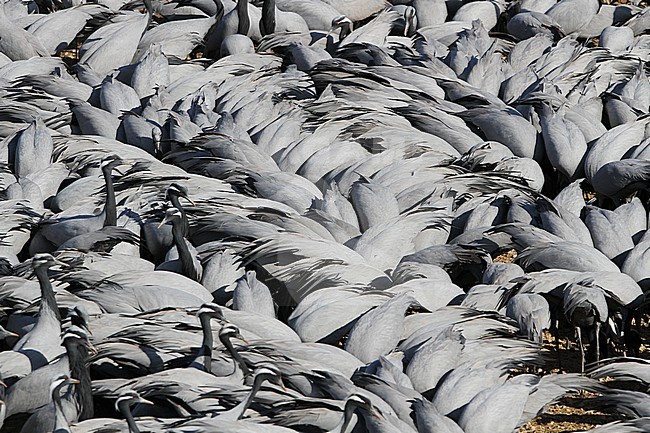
(130, 397)
(229, 330)
(271, 373)
(178, 190)
(59, 382)
(79, 336)
(79, 316)
(211, 310)
(45, 260)
(172, 214)
(363, 402)
(111, 162)
(343, 23)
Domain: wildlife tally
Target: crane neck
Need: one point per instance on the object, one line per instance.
(110, 207)
(204, 358)
(78, 361)
(219, 14)
(244, 20)
(184, 252)
(125, 410)
(48, 301)
(267, 22)
(149, 7)
(185, 225)
(348, 411)
(346, 29)
(60, 422)
(239, 410)
(225, 340)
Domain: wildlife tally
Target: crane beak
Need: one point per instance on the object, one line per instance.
(332, 30)
(92, 350)
(163, 222)
(8, 334)
(61, 264)
(144, 401)
(189, 199)
(85, 328)
(73, 381)
(127, 164)
(4, 385)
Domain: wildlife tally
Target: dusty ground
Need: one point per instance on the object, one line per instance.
(565, 418)
(507, 257)
(574, 414)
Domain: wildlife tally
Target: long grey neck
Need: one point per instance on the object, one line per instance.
(149, 7)
(78, 358)
(204, 358)
(183, 251)
(60, 422)
(244, 21)
(225, 340)
(267, 22)
(48, 301)
(185, 225)
(125, 410)
(345, 31)
(110, 207)
(219, 14)
(240, 409)
(348, 411)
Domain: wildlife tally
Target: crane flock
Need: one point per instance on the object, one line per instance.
(336, 216)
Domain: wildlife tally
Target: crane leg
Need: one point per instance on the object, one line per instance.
(555, 330)
(597, 341)
(582, 349)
